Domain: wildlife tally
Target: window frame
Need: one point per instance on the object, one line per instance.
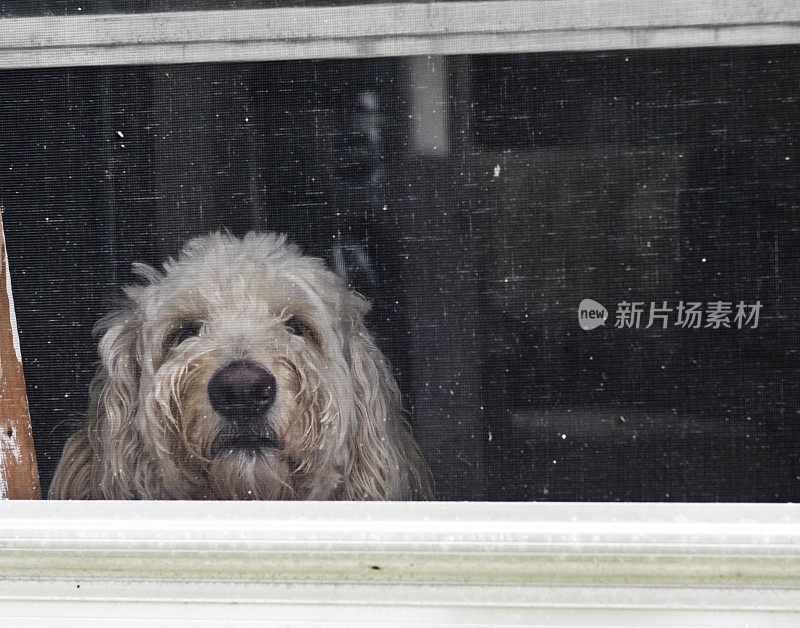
(549, 563)
(399, 29)
(401, 563)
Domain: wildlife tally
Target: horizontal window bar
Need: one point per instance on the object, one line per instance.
(400, 564)
(549, 543)
(392, 30)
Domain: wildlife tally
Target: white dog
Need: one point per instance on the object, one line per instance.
(244, 371)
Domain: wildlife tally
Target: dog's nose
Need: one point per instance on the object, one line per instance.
(242, 390)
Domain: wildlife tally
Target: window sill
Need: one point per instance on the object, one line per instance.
(399, 563)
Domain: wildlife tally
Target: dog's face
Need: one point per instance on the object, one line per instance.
(242, 371)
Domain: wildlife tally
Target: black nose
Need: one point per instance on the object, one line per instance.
(242, 390)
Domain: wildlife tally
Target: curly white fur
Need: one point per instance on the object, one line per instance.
(336, 415)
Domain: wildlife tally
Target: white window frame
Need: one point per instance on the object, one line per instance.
(415, 564)
(306, 564)
(400, 29)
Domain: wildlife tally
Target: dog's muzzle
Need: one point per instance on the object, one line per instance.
(242, 393)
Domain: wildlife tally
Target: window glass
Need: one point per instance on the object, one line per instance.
(493, 209)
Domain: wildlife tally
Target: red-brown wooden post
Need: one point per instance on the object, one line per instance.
(19, 477)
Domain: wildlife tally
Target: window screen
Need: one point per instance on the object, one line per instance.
(583, 266)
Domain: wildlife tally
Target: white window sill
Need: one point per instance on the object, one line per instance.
(195, 563)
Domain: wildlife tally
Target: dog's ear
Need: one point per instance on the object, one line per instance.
(384, 462)
(104, 458)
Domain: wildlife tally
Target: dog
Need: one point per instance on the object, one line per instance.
(243, 371)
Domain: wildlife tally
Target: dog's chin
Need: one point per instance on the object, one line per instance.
(250, 473)
(250, 446)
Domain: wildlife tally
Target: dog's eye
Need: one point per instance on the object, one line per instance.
(184, 331)
(298, 327)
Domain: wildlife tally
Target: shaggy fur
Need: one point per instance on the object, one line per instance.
(152, 432)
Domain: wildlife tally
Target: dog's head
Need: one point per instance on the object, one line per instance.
(242, 371)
